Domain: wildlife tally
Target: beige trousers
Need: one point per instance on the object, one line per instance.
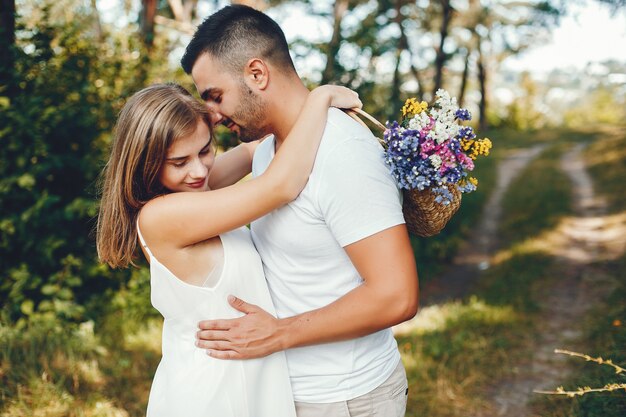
(388, 400)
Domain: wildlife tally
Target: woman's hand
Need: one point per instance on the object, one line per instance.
(339, 96)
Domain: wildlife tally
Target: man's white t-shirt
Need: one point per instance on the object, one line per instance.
(350, 196)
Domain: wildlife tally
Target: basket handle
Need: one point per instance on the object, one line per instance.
(355, 112)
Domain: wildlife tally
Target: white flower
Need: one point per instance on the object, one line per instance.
(435, 160)
(419, 121)
(440, 133)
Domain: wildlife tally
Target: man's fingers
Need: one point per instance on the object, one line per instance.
(212, 335)
(223, 354)
(220, 345)
(215, 325)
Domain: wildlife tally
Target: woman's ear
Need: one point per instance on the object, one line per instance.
(257, 73)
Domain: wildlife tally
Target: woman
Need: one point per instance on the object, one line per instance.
(164, 188)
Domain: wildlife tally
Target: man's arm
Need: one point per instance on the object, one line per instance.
(388, 296)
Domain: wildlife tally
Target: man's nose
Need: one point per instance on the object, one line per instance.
(216, 117)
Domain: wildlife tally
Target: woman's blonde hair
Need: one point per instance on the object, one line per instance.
(149, 123)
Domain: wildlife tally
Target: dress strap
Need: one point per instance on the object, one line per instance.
(143, 242)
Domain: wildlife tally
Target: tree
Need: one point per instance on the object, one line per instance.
(7, 43)
(496, 31)
(339, 10)
(146, 22)
(55, 134)
(446, 13)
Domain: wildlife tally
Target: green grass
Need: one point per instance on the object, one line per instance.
(607, 166)
(606, 337)
(49, 370)
(513, 139)
(537, 200)
(446, 356)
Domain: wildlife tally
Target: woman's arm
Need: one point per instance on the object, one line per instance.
(233, 165)
(183, 219)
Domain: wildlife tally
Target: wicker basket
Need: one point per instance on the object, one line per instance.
(423, 215)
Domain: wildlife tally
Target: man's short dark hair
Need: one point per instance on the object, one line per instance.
(235, 34)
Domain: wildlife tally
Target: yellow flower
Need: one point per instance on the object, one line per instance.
(412, 107)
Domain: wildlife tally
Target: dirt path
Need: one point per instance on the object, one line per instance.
(578, 244)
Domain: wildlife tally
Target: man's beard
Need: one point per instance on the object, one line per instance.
(252, 114)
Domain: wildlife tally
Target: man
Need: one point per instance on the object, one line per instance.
(338, 260)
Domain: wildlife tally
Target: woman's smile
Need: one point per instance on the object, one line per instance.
(197, 184)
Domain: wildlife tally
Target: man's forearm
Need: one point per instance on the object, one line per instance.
(360, 312)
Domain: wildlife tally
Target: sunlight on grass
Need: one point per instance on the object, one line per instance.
(147, 339)
(607, 165)
(39, 397)
(608, 232)
(63, 372)
(445, 350)
(440, 317)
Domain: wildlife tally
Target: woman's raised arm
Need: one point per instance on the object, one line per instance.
(186, 218)
(232, 165)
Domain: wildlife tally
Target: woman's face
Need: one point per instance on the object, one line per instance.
(189, 161)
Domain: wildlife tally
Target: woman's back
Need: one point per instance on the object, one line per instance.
(190, 383)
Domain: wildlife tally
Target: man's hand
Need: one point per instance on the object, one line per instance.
(252, 336)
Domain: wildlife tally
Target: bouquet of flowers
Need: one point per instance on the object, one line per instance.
(430, 155)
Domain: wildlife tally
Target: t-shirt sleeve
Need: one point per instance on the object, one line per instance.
(356, 193)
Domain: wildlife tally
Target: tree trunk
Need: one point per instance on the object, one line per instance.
(7, 44)
(340, 8)
(394, 100)
(482, 79)
(420, 90)
(146, 21)
(464, 78)
(403, 44)
(440, 59)
(97, 24)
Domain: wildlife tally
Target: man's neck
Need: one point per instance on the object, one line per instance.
(286, 110)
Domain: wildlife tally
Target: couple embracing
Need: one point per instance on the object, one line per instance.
(291, 316)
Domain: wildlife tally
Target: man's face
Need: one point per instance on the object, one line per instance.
(231, 102)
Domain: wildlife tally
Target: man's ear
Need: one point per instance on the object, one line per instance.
(257, 73)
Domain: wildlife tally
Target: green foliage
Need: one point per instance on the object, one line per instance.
(522, 112)
(69, 86)
(603, 106)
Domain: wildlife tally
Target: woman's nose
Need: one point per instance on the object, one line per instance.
(198, 169)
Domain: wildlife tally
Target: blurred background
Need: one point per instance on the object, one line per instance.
(80, 339)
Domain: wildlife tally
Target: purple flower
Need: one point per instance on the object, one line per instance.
(466, 132)
(463, 114)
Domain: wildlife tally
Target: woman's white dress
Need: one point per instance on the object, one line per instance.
(189, 383)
